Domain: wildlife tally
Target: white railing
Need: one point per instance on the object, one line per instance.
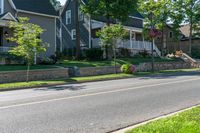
(4, 49)
(139, 45)
(132, 45)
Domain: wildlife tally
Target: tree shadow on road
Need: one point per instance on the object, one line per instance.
(62, 87)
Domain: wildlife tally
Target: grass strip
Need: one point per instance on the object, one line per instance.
(185, 122)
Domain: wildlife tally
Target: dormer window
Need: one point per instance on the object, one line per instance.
(1, 6)
(68, 17)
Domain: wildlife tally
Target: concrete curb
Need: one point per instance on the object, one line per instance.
(153, 119)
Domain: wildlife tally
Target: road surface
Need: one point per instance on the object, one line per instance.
(96, 107)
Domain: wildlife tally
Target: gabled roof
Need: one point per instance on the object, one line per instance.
(36, 6)
(7, 16)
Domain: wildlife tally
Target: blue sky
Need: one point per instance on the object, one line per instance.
(62, 1)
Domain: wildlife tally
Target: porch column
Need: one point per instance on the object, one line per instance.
(131, 41)
(90, 32)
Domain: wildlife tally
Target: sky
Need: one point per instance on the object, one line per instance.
(62, 1)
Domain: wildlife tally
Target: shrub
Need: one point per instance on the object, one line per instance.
(9, 57)
(46, 61)
(128, 68)
(94, 54)
(144, 54)
(124, 52)
(196, 52)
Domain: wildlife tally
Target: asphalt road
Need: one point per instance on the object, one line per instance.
(96, 107)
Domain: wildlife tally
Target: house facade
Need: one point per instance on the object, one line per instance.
(60, 26)
(169, 42)
(40, 12)
(89, 25)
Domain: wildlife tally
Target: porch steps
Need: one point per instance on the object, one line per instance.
(188, 59)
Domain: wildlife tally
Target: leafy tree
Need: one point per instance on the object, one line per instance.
(110, 9)
(110, 35)
(161, 13)
(56, 4)
(27, 37)
(177, 17)
(191, 12)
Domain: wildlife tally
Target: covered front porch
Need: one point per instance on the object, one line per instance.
(6, 32)
(135, 41)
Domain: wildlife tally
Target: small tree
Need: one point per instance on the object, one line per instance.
(110, 35)
(27, 37)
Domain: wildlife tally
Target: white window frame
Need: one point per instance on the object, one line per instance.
(68, 17)
(73, 34)
(2, 6)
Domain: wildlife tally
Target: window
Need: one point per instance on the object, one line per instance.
(170, 35)
(68, 17)
(73, 34)
(1, 6)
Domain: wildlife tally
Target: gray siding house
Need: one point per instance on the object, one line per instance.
(40, 12)
(134, 25)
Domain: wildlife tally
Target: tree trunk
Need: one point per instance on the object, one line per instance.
(108, 24)
(27, 72)
(190, 39)
(114, 53)
(90, 32)
(78, 47)
(163, 43)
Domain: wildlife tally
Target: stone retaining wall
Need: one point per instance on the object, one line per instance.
(93, 71)
(45, 74)
(144, 67)
(58, 73)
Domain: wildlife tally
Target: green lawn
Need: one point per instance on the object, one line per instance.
(121, 61)
(70, 63)
(186, 122)
(23, 67)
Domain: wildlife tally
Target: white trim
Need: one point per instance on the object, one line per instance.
(12, 4)
(4, 17)
(2, 6)
(72, 34)
(139, 30)
(40, 14)
(68, 15)
(136, 17)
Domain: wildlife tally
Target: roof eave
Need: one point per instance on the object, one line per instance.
(35, 13)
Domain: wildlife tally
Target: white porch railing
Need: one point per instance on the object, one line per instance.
(139, 45)
(132, 45)
(4, 49)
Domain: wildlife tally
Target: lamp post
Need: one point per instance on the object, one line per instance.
(151, 16)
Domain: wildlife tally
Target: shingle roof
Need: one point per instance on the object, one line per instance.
(37, 6)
